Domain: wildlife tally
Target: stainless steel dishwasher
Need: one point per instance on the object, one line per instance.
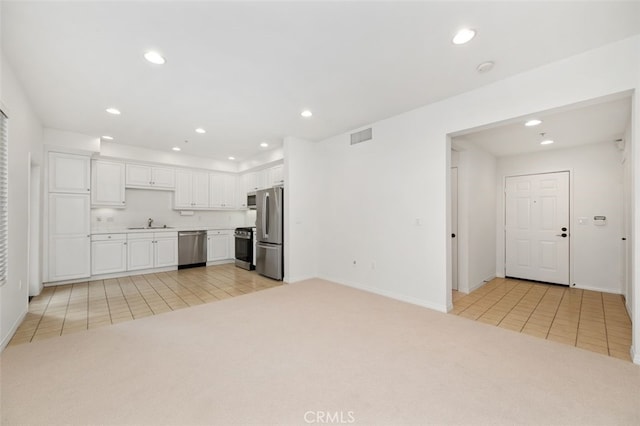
(192, 249)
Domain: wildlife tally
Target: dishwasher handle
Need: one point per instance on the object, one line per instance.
(188, 233)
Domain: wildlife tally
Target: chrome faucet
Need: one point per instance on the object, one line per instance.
(149, 223)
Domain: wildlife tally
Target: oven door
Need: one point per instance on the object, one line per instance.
(244, 252)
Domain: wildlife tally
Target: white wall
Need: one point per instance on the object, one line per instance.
(71, 141)
(371, 194)
(143, 204)
(117, 150)
(595, 190)
(25, 136)
(476, 217)
(301, 227)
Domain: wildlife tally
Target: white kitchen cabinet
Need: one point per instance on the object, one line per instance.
(275, 175)
(152, 250)
(218, 245)
(145, 176)
(222, 191)
(69, 239)
(108, 253)
(166, 249)
(192, 190)
(107, 183)
(69, 173)
(140, 251)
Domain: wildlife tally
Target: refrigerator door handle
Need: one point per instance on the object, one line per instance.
(265, 217)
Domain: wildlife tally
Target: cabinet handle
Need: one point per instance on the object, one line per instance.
(125, 243)
(88, 189)
(123, 202)
(109, 236)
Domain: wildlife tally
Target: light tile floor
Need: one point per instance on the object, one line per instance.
(75, 307)
(587, 319)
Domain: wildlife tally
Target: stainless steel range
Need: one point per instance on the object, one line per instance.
(244, 248)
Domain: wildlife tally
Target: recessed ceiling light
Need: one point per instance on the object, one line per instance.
(176, 148)
(107, 138)
(154, 57)
(485, 67)
(546, 142)
(533, 122)
(464, 36)
(113, 111)
(264, 144)
(306, 113)
(201, 130)
(232, 158)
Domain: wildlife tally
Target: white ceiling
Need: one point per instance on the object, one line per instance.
(245, 70)
(603, 121)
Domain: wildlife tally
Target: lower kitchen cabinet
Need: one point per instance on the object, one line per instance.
(147, 251)
(108, 253)
(219, 245)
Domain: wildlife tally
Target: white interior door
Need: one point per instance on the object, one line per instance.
(537, 227)
(454, 228)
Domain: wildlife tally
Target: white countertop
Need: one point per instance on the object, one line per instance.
(119, 230)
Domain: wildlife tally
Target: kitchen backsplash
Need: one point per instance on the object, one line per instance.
(144, 204)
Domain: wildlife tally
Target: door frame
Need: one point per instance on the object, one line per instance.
(504, 216)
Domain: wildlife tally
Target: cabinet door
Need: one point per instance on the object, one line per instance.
(69, 173)
(69, 239)
(230, 191)
(184, 188)
(216, 190)
(138, 176)
(166, 252)
(232, 246)
(250, 181)
(276, 175)
(163, 178)
(219, 247)
(107, 183)
(108, 257)
(200, 190)
(262, 179)
(140, 254)
(210, 253)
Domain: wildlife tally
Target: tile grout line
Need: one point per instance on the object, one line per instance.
(517, 303)
(579, 318)
(564, 292)
(486, 295)
(41, 316)
(606, 332)
(546, 289)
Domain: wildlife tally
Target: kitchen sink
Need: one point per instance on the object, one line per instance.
(152, 227)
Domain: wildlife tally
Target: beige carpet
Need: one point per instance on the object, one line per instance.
(308, 352)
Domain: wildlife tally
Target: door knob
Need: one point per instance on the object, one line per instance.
(564, 229)
(563, 235)
(453, 235)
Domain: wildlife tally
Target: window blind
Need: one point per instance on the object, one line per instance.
(4, 197)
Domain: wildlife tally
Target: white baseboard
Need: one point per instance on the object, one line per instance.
(294, 280)
(6, 339)
(392, 295)
(481, 283)
(594, 288)
(635, 356)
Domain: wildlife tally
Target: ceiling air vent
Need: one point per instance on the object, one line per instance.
(361, 136)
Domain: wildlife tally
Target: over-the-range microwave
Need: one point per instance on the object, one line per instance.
(251, 200)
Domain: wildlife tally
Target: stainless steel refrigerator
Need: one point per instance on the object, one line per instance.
(269, 227)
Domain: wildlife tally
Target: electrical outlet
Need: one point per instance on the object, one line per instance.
(20, 284)
(373, 265)
(99, 219)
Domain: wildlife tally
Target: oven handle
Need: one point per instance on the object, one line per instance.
(242, 237)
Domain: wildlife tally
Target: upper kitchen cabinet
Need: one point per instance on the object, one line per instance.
(144, 176)
(69, 173)
(192, 190)
(107, 183)
(275, 175)
(222, 191)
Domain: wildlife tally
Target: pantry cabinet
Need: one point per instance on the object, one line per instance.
(69, 244)
(69, 173)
